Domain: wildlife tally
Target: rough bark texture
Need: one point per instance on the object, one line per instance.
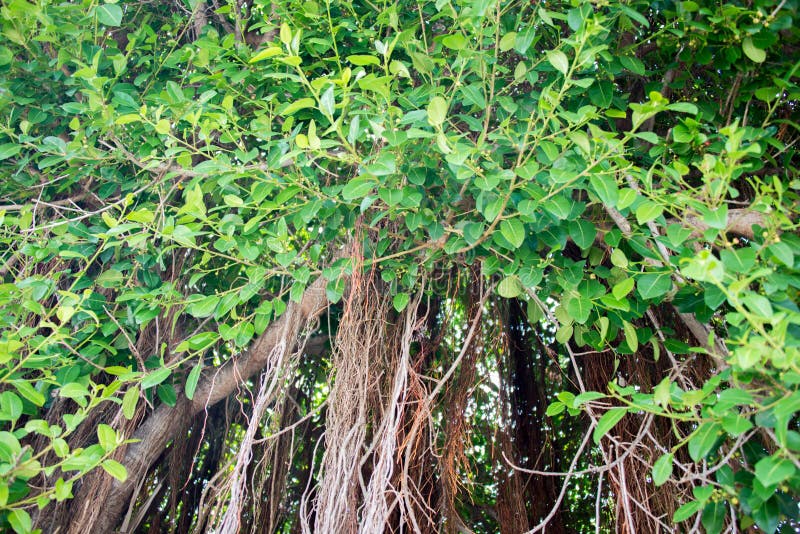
(166, 423)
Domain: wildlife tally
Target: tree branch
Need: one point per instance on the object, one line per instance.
(165, 423)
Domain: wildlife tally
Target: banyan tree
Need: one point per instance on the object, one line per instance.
(427, 266)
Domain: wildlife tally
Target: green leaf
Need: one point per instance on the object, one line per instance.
(363, 60)
(686, 511)
(558, 60)
(662, 469)
(579, 309)
(115, 469)
(202, 307)
(631, 338)
(327, 102)
(129, 402)
(167, 394)
(647, 211)
(713, 518)
(651, 286)
(20, 521)
(437, 111)
(510, 287)
(357, 188)
(767, 516)
(772, 470)
(156, 377)
(738, 260)
(601, 93)
(9, 150)
(783, 253)
(750, 50)
(191, 380)
(582, 233)
(602, 324)
(107, 437)
(608, 421)
(606, 188)
(703, 440)
(400, 301)
(514, 231)
(109, 14)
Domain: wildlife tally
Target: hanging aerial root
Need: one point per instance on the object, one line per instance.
(381, 495)
(359, 344)
(279, 366)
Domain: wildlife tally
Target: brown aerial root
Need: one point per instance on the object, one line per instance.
(357, 353)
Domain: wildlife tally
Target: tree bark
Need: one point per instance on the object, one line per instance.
(165, 423)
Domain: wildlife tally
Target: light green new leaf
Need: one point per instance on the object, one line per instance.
(107, 437)
(115, 469)
(129, 401)
(647, 211)
(622, 288)
(20, 521)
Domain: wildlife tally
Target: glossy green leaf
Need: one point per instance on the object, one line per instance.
(703, 440)
(191, 381)
(558, 59)
(514, 231)
(437, 111)
(607, 422)
(109, 14)
(129, 401)
(773, 470)
(662, 469)
(156, 377)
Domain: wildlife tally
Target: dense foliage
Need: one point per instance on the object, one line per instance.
(555, 244)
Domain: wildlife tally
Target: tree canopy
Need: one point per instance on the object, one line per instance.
(427, 266)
